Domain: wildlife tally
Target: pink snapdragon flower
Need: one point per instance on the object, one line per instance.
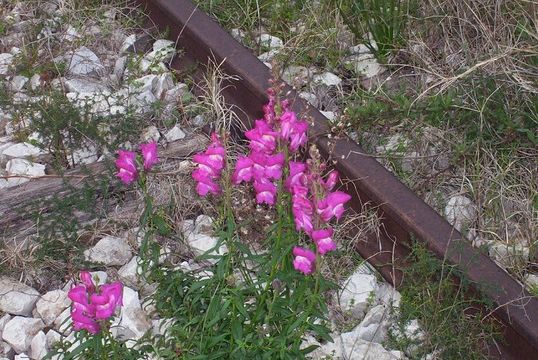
(243, 170)
(298, 135)
(210, 165)
(92, 303)
(108, 300)
(126, 164)
(323, 240)
(331, 180)
(149, 154)
(302, 210)
(332, 205)
(265, 192)
(305, 260)
(262, 137)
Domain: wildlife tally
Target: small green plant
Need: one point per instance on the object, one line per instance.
(384, 20)
(447, 314)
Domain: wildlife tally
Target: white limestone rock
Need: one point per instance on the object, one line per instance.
(85, 85)
(22, 356)
(22, 150)
(329, 115)
(163, 51)
(52, 338)
(460, 212)
(174, 134)
(133, 321)
(38, 346)
(83, 62)
(200, 237)
(165, 82)
(269, 41)
(357, 293)
(128, 42)
(3, 321)
(6, 59)
(6, 351)
(110, 251)
(176, 93)
(119, 67)
(268, 56)
(509, 255)
(130, 274)
(309, 97)
(19, 332)
(296, 75)
(18, 83)
(51, 305)
(36, 82)
(63, 323)
(17, 298)
(365, 65)
(355, 348)
(85, 155)
(374, 326)
(328, 79)
(151, 133)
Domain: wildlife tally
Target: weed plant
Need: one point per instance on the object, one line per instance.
(455, 322)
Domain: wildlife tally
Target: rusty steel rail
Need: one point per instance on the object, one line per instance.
(404, 215)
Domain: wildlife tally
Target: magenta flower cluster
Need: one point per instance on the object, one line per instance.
(263, 165)
(314, 204)
(210, 165)
(126, 162)
(92, 304)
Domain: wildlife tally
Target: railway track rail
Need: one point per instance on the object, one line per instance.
(404, 216)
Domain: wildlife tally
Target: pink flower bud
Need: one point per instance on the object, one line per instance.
(149, 154)
(126, 164)
(87, 280)
(331, 180)
(304, 260)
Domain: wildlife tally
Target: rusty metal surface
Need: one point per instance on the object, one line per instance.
(404, 214)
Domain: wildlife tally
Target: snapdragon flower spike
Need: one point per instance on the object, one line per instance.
(149, 154)
(210, 165)
(262, 137)
(332, 205)
(82, 312)
(305, 260)
(126, 164)
(287, 122)
(323, 240)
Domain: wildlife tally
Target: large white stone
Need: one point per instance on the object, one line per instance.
(269, 55)
(365, 65)
(18, 83)
(128, 42)
(17, 298)
(83, 62)
(357, 293)
(270, 41)
(130, 274)
(133, 321)
(22, 150)
(19, 332)
(199, 236)
(460, 211)
(296, 75)
(309, 97)
(64, 323)
(174, 134)
(327, 79)
(84, 156)
(110, 251)
(3, 321)
(509, 255)
(165, 82)
(374, 326)
(85, 85)
(51, 305)
(151, 133)
(176, 93)
(6, 351)
(38, 346)
(36, 82)
(52, 338)
(5, 62)
(145, 83)
(356, 348)
(163, 51)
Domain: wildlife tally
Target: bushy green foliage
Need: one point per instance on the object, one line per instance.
(246, 306)
(384, 20)
(455, 322)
